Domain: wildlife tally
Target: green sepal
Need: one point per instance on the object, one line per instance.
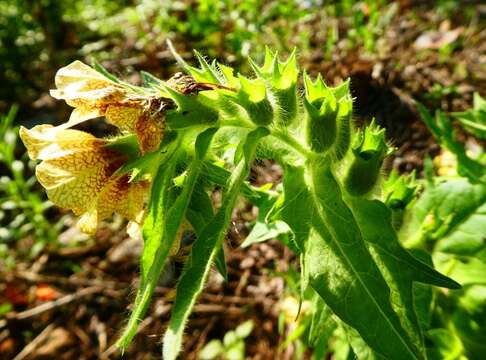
(270, 64)
(192, 110)
(281, 78)
(252, 96)
(368, 157)
(207, 73)
(398, 193)
(343, 125)
(319, 90)
(149, 80)
(329, 111)
(321, 122)
(101, 69)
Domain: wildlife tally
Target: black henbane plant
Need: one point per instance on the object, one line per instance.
(184, 137)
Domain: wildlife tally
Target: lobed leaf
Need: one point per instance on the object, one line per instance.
(398, 266)
(343, 272)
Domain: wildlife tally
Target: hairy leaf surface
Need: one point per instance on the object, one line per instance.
(205, 249)
(343, 272)
(160, 239)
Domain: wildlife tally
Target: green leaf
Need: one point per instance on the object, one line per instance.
(211, 350)
(220, 263)
(467, 270)
(339, 347)
(160, 230)
(468, 320)
(422, 293)
(219, 176)
(343, 272)
(474, 120)
(262, 232)
(295, 205)
(199, 214)
(204, 250)
(244, 330)
(446, 345)
(200, 210)
(443, 131)
(360, 349)
(230, 338)
(236, 351)
(451, 216)
(322, 325)
(150, 263)
(264, 229)
(398, 266)
(5, 308)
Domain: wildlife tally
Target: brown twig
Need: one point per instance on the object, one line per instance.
(55, 303)
(202, 338)
(34, 343)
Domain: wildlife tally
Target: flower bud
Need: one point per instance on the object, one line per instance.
(343, 127)
(398, 192)
(367, 159)
(281, 78)
(252, 96)
(321, 122)
(329, 112)
(191, 109)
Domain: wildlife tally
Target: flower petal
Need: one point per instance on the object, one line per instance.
(124, 198)
(123, 117)
(46, 141)
(149, 131)
(88, 223)
(74, 180)
(88, 91)
(81, 114)
(78, 77)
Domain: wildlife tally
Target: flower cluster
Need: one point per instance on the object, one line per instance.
(93, 95)
(78, 170)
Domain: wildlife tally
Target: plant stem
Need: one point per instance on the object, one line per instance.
(290, 140)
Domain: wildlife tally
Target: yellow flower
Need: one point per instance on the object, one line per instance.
(446, 163)
(93, 95)
(78, 173)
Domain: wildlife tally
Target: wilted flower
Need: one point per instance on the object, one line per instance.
(78, 172)
(92, 94)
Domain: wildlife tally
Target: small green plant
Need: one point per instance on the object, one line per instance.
(474, 120)
(23, 208)
(232, 347)
(184, 137)
(369, 20)
(442, 218)
(448, 221)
